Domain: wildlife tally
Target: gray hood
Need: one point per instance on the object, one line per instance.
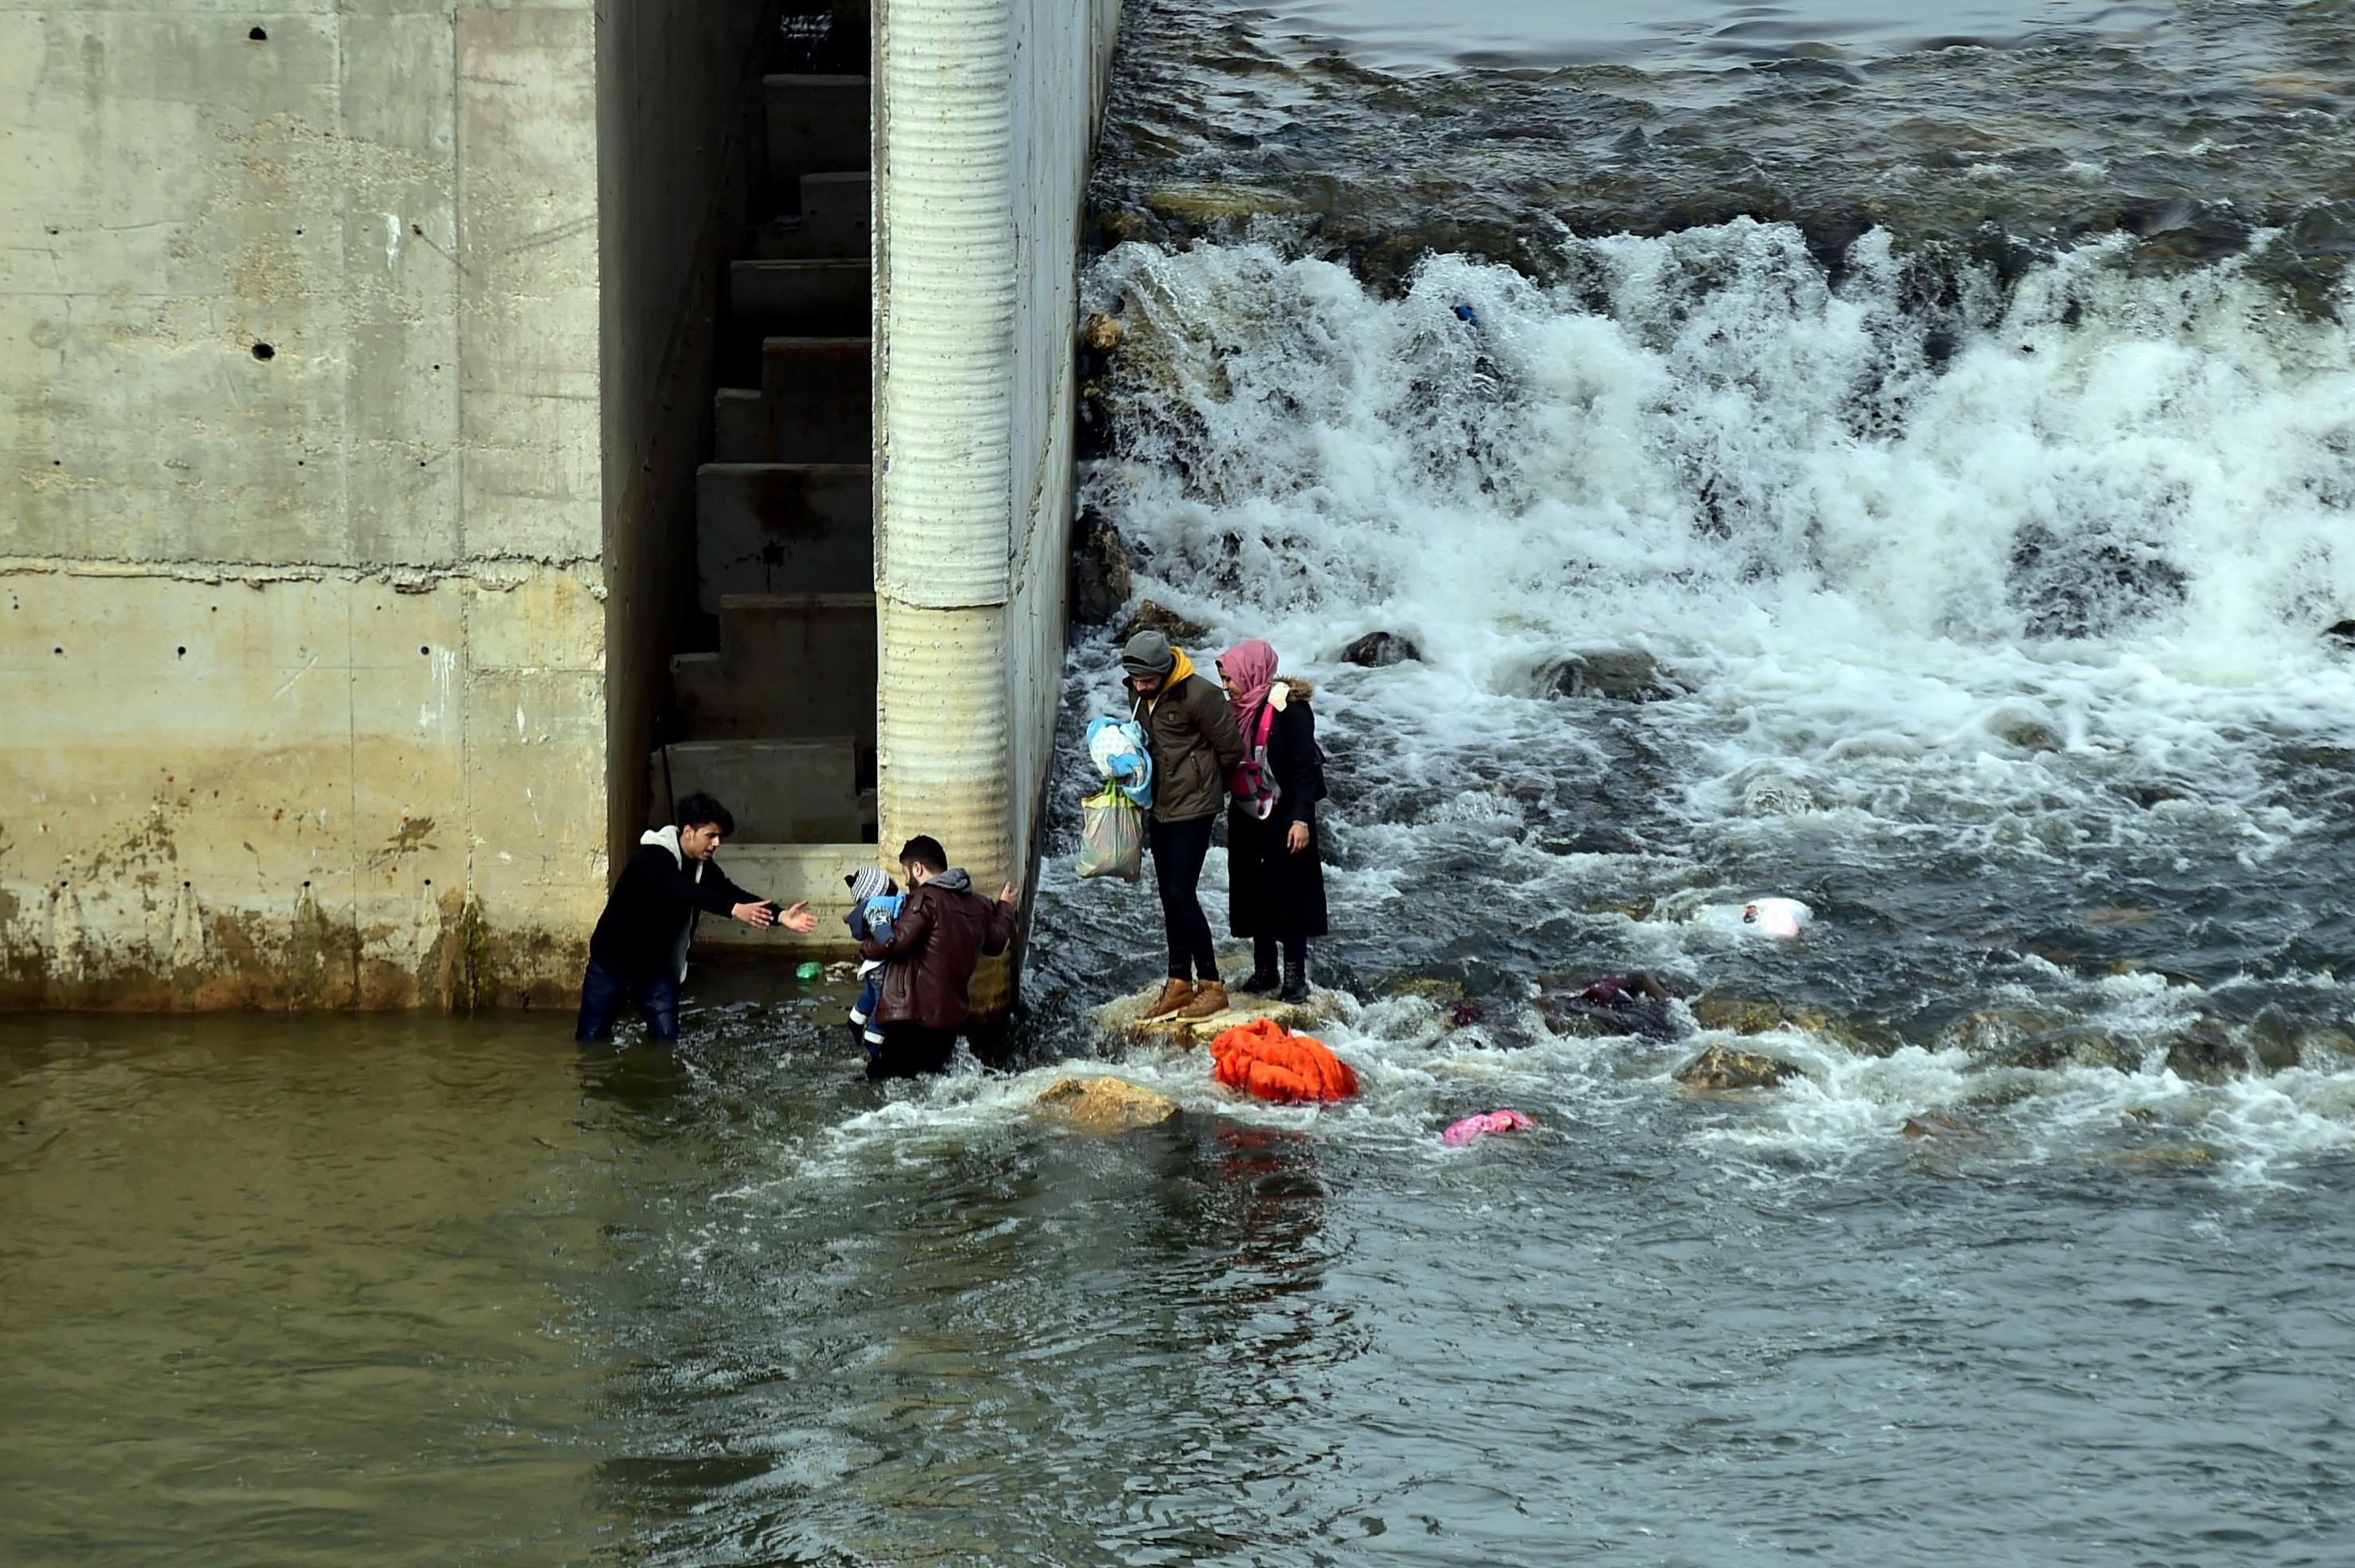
(954, 880)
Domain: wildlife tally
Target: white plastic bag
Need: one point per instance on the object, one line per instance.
(1111, 836)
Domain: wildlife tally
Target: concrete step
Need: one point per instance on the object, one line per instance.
(782, 528)
(815, 123)
(816, 405)
(740, 425)
(780, 791)
(788, 665)
(791, 874)
(801, 299)
(833, 222)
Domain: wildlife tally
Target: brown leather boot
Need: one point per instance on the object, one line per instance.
(1175, 994)
(1209, 1000)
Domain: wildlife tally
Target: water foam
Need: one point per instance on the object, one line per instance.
(1989, 608)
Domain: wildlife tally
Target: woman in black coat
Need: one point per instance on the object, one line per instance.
(1275, 872)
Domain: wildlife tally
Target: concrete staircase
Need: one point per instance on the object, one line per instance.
(778, 719)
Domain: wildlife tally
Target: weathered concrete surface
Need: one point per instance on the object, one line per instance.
(787, 872)
(309, 402)
(298, 789)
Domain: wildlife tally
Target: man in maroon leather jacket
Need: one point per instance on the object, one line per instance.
(943, 932)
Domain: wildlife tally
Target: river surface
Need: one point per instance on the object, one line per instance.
(1955, 435)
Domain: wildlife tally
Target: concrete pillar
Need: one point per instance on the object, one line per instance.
(987, 111)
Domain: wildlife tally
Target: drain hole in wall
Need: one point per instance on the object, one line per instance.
(184, 652)
(424, 649)
(264, 351)
(258, 36)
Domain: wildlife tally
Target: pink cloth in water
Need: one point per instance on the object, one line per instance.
(1481, 1125)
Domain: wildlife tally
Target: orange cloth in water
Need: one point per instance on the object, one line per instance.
(1266, 1061)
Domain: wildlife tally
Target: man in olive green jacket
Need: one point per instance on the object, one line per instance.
(1190, 732)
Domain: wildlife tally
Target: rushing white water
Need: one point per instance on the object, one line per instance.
(1998, 623)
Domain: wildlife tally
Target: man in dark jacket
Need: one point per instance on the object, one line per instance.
(639, 952)
(1195, 744)
(943, 932)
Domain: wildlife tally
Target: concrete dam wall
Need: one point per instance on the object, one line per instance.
(383, 391)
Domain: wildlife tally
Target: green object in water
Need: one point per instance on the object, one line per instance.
(811, 971)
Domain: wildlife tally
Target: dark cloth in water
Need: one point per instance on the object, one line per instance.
(1631, 1004)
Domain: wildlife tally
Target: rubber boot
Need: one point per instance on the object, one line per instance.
(1262, 981)
(1296, 982)
(1175, 994)
(1209, 1002)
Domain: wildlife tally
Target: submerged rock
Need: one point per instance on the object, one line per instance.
(2326, 1048)
(2065, 1047)
(2163, 1156)
(1620, 675)
(1737, 1015)
(1456, 1010)
(1937, 1125)
(1993, 1031)
(1378, 650)
(2086, 583)
(2206, 1053)
(1105, 1104)
(1206, 204)
(2026, 734)
(2274, 1038)
(1102, 332)
(1101, 581)
(1152, 616)
(1119, 225)
(1775, 796)
(1722, 1067)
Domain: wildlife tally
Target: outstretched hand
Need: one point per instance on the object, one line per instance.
(754, 913)
(798, 918)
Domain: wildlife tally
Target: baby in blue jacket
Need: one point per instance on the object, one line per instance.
(875, 903)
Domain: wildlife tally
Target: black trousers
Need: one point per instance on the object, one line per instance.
(1179, 850)
(910, 1050)
(602, 993)
(1295, 948)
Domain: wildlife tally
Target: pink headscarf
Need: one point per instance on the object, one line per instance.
(1251, 666)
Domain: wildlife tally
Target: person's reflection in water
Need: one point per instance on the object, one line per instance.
(1268, 1178)
(645, 1084)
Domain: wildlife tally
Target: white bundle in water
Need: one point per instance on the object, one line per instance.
(1776, 917)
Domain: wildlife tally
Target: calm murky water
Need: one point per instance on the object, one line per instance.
(447, 1292)
(1966, 436)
